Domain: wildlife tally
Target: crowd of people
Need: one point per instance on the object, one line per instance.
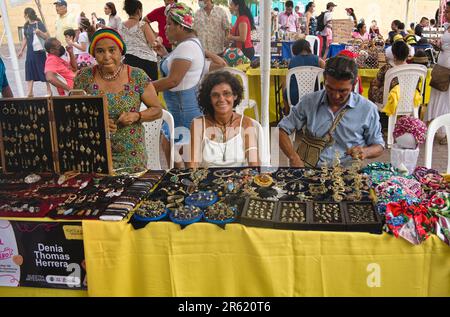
(131, 63)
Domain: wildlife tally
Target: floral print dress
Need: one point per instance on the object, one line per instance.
(127, 143)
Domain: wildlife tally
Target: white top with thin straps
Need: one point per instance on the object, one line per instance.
(228, 154)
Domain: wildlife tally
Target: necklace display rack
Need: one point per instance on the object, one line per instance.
(81, 133)
(56, 134)
(25, 135)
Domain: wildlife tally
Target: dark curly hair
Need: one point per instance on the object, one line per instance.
(209, 82)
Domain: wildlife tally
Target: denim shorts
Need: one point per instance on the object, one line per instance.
(184, 108)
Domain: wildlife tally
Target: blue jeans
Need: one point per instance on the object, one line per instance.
(183, 106)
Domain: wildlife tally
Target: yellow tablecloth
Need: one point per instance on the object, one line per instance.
(204, 260)
(254, 78)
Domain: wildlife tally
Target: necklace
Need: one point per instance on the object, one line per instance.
(110, 77)
(223, 129)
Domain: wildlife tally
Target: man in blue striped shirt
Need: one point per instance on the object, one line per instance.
(357, 135)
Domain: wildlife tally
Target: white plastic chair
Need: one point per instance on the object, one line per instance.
(315, 43)
(441, 121)
(153, 139)
(246, 101)
(262, 151)
(408, 76)
(306, 77)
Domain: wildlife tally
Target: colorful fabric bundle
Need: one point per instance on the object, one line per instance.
(412, 222)
(234, 56)
(411, 125)
(380, 172)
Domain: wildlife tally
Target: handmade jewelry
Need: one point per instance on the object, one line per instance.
(292, 212)
(263, 180)
(220, 211)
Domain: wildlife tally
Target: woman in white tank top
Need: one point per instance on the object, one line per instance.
(221, 137)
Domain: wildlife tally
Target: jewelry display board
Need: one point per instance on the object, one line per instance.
(81, 133)
(25, 135)
(56, 134)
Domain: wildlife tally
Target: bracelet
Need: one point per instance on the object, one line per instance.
(140, 117)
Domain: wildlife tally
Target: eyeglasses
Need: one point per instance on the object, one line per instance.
(226, 94)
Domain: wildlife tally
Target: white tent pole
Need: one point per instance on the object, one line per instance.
(265, 21)
(12, 48)
(415, 11)
(407, 13)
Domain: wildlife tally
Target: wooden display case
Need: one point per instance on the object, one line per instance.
(56, 134)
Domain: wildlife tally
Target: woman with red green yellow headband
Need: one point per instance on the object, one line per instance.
(126, 88)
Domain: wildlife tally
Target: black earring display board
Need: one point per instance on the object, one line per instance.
(82, 140)
(26, 143)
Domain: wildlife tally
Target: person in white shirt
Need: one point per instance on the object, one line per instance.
(327, 33)
(221, 137)
(111, 12)
(139, 38)
(81, 47)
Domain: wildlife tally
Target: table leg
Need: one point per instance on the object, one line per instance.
(278, 103)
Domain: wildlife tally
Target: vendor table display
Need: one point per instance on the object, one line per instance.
(73, 195)
(308, 199)
(56, 134)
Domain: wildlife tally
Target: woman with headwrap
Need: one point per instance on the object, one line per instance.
(126, 88)
(182, 69)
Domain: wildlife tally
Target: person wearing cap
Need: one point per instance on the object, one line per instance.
(5, 90)
(158, 15)
(358, 133)
(126, 89)
(57, 68)
(181, 69)
(64, 21)
(327, 33)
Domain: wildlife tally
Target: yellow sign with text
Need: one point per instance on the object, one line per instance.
(73, 232)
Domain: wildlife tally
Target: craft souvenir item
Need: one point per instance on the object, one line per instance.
(151, 211)
(26, 135)
(82, 135)
(220, 213)
(185, 215)
(201, 199)
(259, 213)
(361, 216)
(56, 134)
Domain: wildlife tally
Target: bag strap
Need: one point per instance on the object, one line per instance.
(337, 120)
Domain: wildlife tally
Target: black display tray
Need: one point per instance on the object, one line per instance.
(371, 226)
(293, 225)
(248, 220)
(335, 225)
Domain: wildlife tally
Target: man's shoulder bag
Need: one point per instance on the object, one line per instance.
(440, 77)
(311, 147)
